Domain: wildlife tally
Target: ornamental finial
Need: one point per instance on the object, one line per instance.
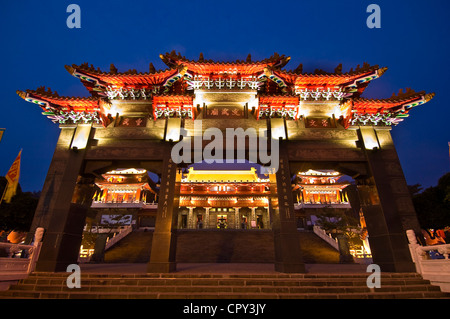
(22, 94)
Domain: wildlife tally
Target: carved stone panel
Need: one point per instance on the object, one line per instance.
(151, 152)
(300, 154)
(125, 133)
(321, 134)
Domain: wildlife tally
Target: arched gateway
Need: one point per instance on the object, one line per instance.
(286, 121)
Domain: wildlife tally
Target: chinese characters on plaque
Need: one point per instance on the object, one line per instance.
(133, 121)
(283, 187)
(319, 122)
(224, 112)
(165, 187)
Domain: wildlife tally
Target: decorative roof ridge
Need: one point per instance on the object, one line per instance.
(174, 94)
(263, 94)
(40, 91)
(401, 96)
(113, 70)
(337, 71)
(167, 57)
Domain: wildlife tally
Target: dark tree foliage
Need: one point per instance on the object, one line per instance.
(433, 204)
(17, 215)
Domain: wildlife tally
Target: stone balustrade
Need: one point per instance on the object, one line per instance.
(327, 237)
(119, 236)
(436, 270)
(13, 268)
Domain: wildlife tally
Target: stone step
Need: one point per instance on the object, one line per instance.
(218, 286)
(223, 295)
(221, 282)
(216, 275)
(230, 245)
(223, 288)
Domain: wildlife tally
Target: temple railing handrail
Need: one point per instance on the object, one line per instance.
(11, 267)
(437, 271)
(319, 231)
(14, 248)
(443, 249)
(119, 236)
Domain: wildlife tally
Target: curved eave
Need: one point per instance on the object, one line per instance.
(63, 103)
(345, 80)
(403, 105)
(128, 80)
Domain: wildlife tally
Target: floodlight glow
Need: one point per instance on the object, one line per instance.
(277, 128)
(173, 129)
(81, 136)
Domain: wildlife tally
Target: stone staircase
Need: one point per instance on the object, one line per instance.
(223, 286)
(212, 246)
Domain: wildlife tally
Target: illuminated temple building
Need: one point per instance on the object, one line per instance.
(209, 199)
(320, 188)
(129, 190)
(133, 120)
(125, 186)
(316, 189)
(224, 199)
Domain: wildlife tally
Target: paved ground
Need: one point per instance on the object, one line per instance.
(222, 268)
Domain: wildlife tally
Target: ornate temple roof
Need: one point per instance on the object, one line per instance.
(64, 109)
(125, 179)
(206, 67)
(320, 173)
(402, 101)
(320, 179)
(47, 98)
(279, 100)
(324, 79)
(390, 111)
(217, 176)
(97, 80)
(173, 99)
(280, 92)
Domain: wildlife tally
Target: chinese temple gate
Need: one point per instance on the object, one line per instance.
(132, 120)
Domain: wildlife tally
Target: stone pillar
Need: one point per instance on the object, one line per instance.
(269, 218)
(288, 258)
(253, 217)
(191, 218)
(237, 220)
(62, 206)
(206, 225)
(386, 203)
(163, 253)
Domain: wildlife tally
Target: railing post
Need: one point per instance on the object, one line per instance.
(413, 246)
(38, 234)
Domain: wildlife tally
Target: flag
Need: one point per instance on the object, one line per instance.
(12, 177)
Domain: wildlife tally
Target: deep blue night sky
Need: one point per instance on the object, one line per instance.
(413, 43)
